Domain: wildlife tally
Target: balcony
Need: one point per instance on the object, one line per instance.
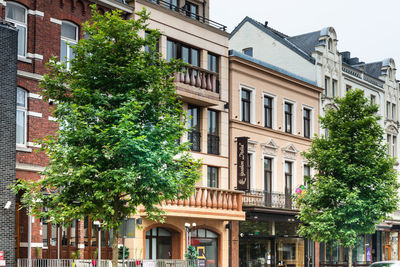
(185, 12)
(198, 86)
(270, 200)
(209, 203)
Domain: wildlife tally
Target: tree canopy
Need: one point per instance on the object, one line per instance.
(355, 186)
(120, 121)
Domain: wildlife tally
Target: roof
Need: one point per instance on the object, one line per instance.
(306, 42)
(279, 36)
(373, 69)
(272, 67)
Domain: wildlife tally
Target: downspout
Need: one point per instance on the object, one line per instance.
(204, 11)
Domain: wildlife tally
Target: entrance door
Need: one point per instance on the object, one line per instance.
(388, 252)
(257, 253)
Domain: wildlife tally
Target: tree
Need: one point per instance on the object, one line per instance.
(120, 121)
(355, 187)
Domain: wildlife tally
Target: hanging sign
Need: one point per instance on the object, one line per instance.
(242, 158)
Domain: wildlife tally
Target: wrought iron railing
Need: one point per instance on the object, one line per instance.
(194, 138)
(267, 199)
(187, 13)
(213, 144)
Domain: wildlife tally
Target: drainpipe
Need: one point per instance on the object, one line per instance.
(29, 240)
(204, 11)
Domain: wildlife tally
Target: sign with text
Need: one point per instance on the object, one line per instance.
(149, 263)
(127, 228)
(1, 255)
(201, 252)
(242, 159)
(201, 263)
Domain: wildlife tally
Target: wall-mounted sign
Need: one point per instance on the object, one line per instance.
(127, 228)
(201, 252)
(242, 181)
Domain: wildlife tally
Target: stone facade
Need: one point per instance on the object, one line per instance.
(8, 87)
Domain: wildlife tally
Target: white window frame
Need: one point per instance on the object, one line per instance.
(252, 102)
(311, 120)
(252, 170)
(19, 23)
(285, 100)
(25, 110)
(274, 172)
(69, 41)
(274, 107)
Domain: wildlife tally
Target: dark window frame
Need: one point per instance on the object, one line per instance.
(288, 117)
(212, 176)
(307, 122)
(246, 105)
(213, 139)
(177, 52)
(268, 111)
(194, 134)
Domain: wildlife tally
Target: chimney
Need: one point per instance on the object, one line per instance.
(266, 24)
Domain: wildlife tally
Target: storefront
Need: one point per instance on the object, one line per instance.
(272, 241)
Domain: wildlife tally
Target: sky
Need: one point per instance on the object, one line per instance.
(369, 29)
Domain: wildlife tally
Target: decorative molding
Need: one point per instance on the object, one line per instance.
(56, 21)
(52, 118)
(28, 167)
(392, 130)
(270, 147)
(34, 114)
(35, 56)
(23, 149)
(36, 12)
(290, 151)
(252, 145)
(35, 96)
(29, 75)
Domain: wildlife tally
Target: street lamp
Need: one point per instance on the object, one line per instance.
(189, 233)
(98, 224)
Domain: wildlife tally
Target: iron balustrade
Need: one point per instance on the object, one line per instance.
(265, 199)
(189, 14)
(213, 144)
(194, 138)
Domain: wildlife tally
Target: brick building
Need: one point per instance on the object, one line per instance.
(44, 29)
(8, 86)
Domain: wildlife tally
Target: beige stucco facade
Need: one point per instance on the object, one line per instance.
(264, 142)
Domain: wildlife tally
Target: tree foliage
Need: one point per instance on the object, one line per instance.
(120, 120)
(355, 187)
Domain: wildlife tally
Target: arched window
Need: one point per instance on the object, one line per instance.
(69, 37)
(158, 244)
(17, 14)
(206, 243)
(22, 107)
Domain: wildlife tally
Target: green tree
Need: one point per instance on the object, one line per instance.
(355, 187)
(120, 121)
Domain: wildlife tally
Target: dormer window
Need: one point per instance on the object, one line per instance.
(330, 45)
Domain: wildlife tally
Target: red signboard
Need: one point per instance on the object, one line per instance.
(1, 255)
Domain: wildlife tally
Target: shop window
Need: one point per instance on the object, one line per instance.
(22, 107)
(69, 38)
(17, 14)
(207, 241)
(158, 244)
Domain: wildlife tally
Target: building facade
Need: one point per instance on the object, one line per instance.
(274, 115)
(44, 30)
(211, 215)
(8, 91)
(315, 55)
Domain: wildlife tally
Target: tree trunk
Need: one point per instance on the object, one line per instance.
(115, 247)
(350, 256)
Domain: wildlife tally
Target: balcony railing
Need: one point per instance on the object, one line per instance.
(213, 144)
(187, 13)
(194, 138)
(104, 263)
(212, 198)
(198, 77)
(256, 198)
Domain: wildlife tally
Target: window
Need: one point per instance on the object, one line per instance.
(246, 101)
(192, 10)
(213, 132)
(16, 14)
(327, 81)
(158, 244)
(373, 99)
(288, 177)
(334, 86)
(188, 54)
(44, 234)
(147, 48)
(69, 37)
(330, 46)
(212, 176)
(392, 145)
(268, 105)
(194, 127)
(288, 117)
(387, 110)
(172, 4)
(348, 88)
(248, 51)
(213, 65)
(394, 112)
(22, 107)
(307, 123)
(306, 173)
(267, 175)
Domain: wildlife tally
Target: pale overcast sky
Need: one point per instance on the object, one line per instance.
(369, 29)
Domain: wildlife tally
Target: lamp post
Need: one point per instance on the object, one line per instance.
(189, 229)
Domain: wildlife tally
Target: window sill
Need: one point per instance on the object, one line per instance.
(23, 149)
(24, 59)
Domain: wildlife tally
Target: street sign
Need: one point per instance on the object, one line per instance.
(127, 228)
